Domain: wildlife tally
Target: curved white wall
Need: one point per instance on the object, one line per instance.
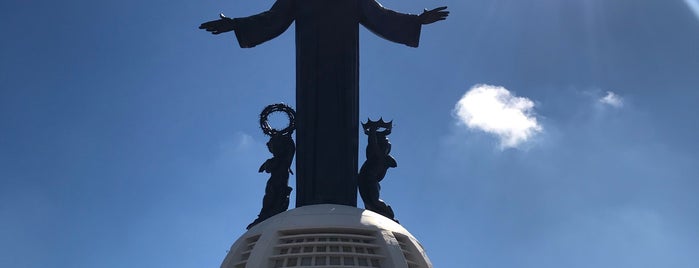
(327, 236)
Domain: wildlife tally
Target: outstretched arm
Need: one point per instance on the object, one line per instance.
(255, 29)
(397, 27)
(434, 15)
(222, 25)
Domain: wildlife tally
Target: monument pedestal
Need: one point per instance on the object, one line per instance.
(327, 235)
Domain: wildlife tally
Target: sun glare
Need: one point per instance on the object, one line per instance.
(694, 6)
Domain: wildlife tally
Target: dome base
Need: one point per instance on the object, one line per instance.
(327, 236)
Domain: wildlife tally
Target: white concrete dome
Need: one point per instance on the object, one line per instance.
(327, 236)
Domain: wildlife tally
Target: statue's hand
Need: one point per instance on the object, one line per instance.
(431, 16)
(222, 25)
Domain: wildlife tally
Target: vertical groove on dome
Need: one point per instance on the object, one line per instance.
(410, 251)
(245, 251)
(326, 248)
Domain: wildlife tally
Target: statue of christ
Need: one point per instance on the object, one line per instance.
(327, 81)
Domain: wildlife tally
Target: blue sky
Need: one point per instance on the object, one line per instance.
(129, 137)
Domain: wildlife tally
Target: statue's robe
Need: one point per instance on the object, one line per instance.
(327, 84)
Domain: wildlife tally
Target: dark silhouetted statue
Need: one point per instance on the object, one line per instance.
(327, 81)
(378, 160)
(280, 144)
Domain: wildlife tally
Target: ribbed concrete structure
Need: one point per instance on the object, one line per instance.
(327, 236)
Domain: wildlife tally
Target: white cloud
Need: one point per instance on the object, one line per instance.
(497, 111)
(240, 144)
(612, 99)
(244, 140)
(241, 150)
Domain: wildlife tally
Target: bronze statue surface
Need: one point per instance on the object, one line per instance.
(378, 161)
(282, 147)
